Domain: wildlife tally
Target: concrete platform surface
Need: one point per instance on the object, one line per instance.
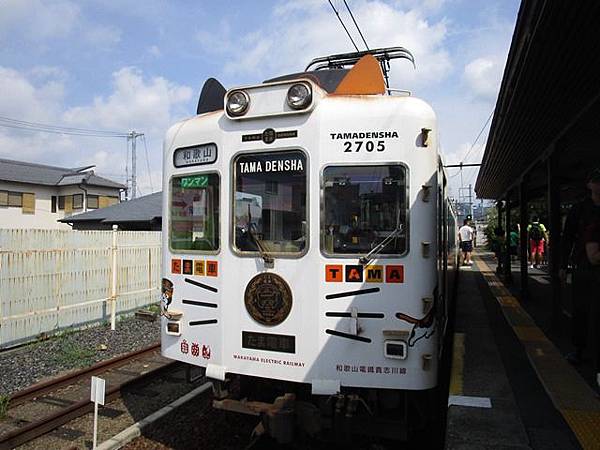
(510, 387)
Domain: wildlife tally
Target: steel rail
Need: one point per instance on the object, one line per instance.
(43, 387)
(46, 424)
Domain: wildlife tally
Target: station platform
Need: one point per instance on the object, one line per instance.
(510, 386)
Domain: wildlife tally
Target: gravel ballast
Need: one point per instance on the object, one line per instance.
(24, 366)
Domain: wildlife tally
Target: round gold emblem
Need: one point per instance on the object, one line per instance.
(268, 299)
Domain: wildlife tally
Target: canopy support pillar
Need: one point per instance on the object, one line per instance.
(506, 255)
(553, 198)
(523, 238)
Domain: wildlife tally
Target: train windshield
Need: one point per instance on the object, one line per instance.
(270, 202)
(194, 221)
(362, 206)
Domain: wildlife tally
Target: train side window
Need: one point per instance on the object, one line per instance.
(269, 203)
(362, 207)
(194, 213)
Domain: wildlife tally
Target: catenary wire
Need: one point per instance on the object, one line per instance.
(471, 148)
(343, 25)
(478, 136)
(356, 25)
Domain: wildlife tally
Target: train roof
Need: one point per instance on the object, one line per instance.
(328, 80)
(362, 72)
(213, 92)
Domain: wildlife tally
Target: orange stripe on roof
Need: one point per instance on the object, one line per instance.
(364, 78)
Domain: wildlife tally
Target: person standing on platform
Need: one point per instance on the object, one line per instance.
(538, 236)
(579, 226)
(592, 251)
(514, 242)
(592, 245)
(465, 237)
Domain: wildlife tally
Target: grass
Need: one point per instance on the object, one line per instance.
(73, 354)
(4, 400)
(153, 308)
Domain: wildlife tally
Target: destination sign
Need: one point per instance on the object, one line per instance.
(287, 165)
(198, 181)
(268, 341)
(288, 162)
(196, 155)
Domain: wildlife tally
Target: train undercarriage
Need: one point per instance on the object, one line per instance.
(286, 410)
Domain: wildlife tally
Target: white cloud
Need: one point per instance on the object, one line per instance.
(424, 5)
(146, 104)
(135, 103)
(40, 73)
(22, 99)
(103, 36)
(154, 50)
(296, 32)
(483, 76)
(37, 20)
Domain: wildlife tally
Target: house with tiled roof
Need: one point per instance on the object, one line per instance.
(38, 196)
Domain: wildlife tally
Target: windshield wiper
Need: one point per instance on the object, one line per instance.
(258, 241)
(259, 244)
(379, 247)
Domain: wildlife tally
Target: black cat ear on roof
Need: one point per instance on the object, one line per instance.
(211, 97)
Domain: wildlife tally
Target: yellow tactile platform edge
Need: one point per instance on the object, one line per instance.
(585, 423)
(508, 301)
(529, 334)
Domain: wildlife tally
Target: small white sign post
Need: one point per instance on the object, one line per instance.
(97, 396)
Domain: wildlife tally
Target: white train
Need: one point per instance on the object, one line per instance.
(309, 248)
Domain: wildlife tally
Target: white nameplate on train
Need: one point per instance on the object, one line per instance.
(195, 156)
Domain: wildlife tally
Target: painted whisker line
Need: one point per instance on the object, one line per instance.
(352, 293)
(201, 285)
(348, 336)
(359, 315)
(197, 303)
(202, 322)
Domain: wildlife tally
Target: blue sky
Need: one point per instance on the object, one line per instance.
(122, 65)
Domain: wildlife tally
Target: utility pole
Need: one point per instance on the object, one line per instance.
(133, 136)
(471, 200)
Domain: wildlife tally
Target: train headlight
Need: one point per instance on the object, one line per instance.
(237, 103)
(299, 96)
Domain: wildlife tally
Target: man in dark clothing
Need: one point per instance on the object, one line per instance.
(586, 296)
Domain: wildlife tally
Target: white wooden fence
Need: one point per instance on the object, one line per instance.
(56, 279)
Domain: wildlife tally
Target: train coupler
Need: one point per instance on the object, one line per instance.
(278, 418)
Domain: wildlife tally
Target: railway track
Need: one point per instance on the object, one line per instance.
(45, 406)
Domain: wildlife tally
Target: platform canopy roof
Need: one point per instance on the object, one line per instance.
(549, 100)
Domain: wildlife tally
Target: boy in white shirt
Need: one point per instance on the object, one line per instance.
(465, 237)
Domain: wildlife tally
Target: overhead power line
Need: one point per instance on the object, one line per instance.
(343, 25)
(356, 25)
(38, 127)
(60, 132)
(478, 136)
(58, 129)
